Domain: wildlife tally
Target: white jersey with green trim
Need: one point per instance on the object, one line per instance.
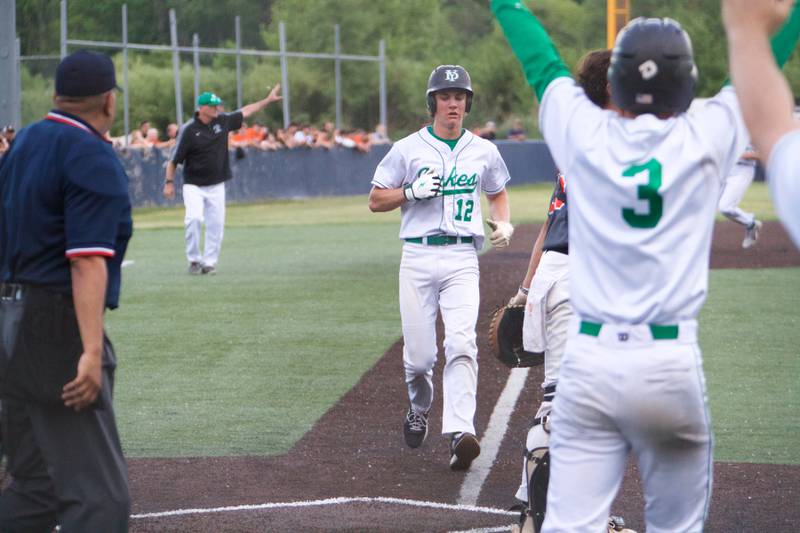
(643, 194)
(474, 165)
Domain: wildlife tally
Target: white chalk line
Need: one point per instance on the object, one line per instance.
(127, 263)
(485, 529)
(328, 501)
(493, 437)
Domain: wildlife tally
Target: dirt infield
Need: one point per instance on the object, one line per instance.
(352, 471)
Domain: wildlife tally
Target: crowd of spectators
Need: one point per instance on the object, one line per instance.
(263, 138)
(489, 131)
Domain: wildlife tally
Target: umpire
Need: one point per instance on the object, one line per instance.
(65, 223)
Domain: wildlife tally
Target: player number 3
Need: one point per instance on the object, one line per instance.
(647, 192)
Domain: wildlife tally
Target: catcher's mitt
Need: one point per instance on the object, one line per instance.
(505, 338)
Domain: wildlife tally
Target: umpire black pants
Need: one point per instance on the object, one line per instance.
(66, 467)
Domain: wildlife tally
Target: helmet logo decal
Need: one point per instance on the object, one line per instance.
(451, 75)
(648, 69)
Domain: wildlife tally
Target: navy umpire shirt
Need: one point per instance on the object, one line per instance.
(204, 149)
(64, 195)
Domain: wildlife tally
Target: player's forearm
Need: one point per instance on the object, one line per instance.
(764, 95)
(382, 200)
(251, 109)
(89, 279)
(536, 255)
(530, 43)
(170, 173)
(499, 208)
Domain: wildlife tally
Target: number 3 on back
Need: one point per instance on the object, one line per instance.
(647, 192)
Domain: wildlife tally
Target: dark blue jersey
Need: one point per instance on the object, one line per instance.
(557, 237)
(64, 194)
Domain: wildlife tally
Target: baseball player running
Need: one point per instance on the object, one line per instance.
(733, 191)
(435, 176)
(545, 293)
(643, 191)
(766, 99)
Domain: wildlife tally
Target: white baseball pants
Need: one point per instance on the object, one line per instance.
(434, 278)
(204, 204)
(547, 319)
(733, 190)
(623, 392)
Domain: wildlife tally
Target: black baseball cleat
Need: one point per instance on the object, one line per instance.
(464, 448)
(208, 269)
(195, 268)
(415, 428)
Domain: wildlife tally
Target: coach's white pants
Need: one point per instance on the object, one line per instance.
(445, 278)
(204, 204)
(623, 392)
(547, 319)
(733, 190)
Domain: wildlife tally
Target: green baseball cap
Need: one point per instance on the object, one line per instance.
(208, 99)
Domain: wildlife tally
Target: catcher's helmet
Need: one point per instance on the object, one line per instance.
(446, 77)
(652, 67)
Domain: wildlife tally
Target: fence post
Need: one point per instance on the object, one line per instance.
(63, 35)
(125, 101)
(8, 61)
(382, 62)
(18, 89)
(284, 74)
(196, 62)
(338, 69)
(238, 33)
(176, 65)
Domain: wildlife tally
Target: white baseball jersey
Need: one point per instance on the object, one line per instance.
(783, 175)
(644, 194)
(474, 165)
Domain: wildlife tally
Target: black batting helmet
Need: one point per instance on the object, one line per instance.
(446, 77)
(652, 67)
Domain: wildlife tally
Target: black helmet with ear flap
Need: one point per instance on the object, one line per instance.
(446, 77)
(652, 67)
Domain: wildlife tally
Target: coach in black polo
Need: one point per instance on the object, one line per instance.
(65, 223)
(202, 148)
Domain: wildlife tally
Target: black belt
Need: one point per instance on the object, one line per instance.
(440, 240)
(16, 292)
(12, 291)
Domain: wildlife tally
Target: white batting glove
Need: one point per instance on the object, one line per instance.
(501, 232)
(427, 185)
(521, 298)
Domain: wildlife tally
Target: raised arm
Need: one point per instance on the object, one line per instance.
(251, 109)
(531, 44)
(763, 92)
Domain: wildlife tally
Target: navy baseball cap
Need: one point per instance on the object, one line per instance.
(85, 73)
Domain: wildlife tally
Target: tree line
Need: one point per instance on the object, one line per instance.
(419, 35)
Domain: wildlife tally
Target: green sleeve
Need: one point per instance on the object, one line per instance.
(531, 44)
(785, 40)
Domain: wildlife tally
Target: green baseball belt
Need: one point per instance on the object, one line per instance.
(659, 332)
(440, 240)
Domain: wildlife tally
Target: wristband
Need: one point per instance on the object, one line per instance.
(169, 181)
(523, 290)
(408, 192)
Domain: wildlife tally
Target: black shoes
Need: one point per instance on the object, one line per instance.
(415, 428)
(464, 448)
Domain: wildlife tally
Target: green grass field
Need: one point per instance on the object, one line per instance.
(246, 361)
